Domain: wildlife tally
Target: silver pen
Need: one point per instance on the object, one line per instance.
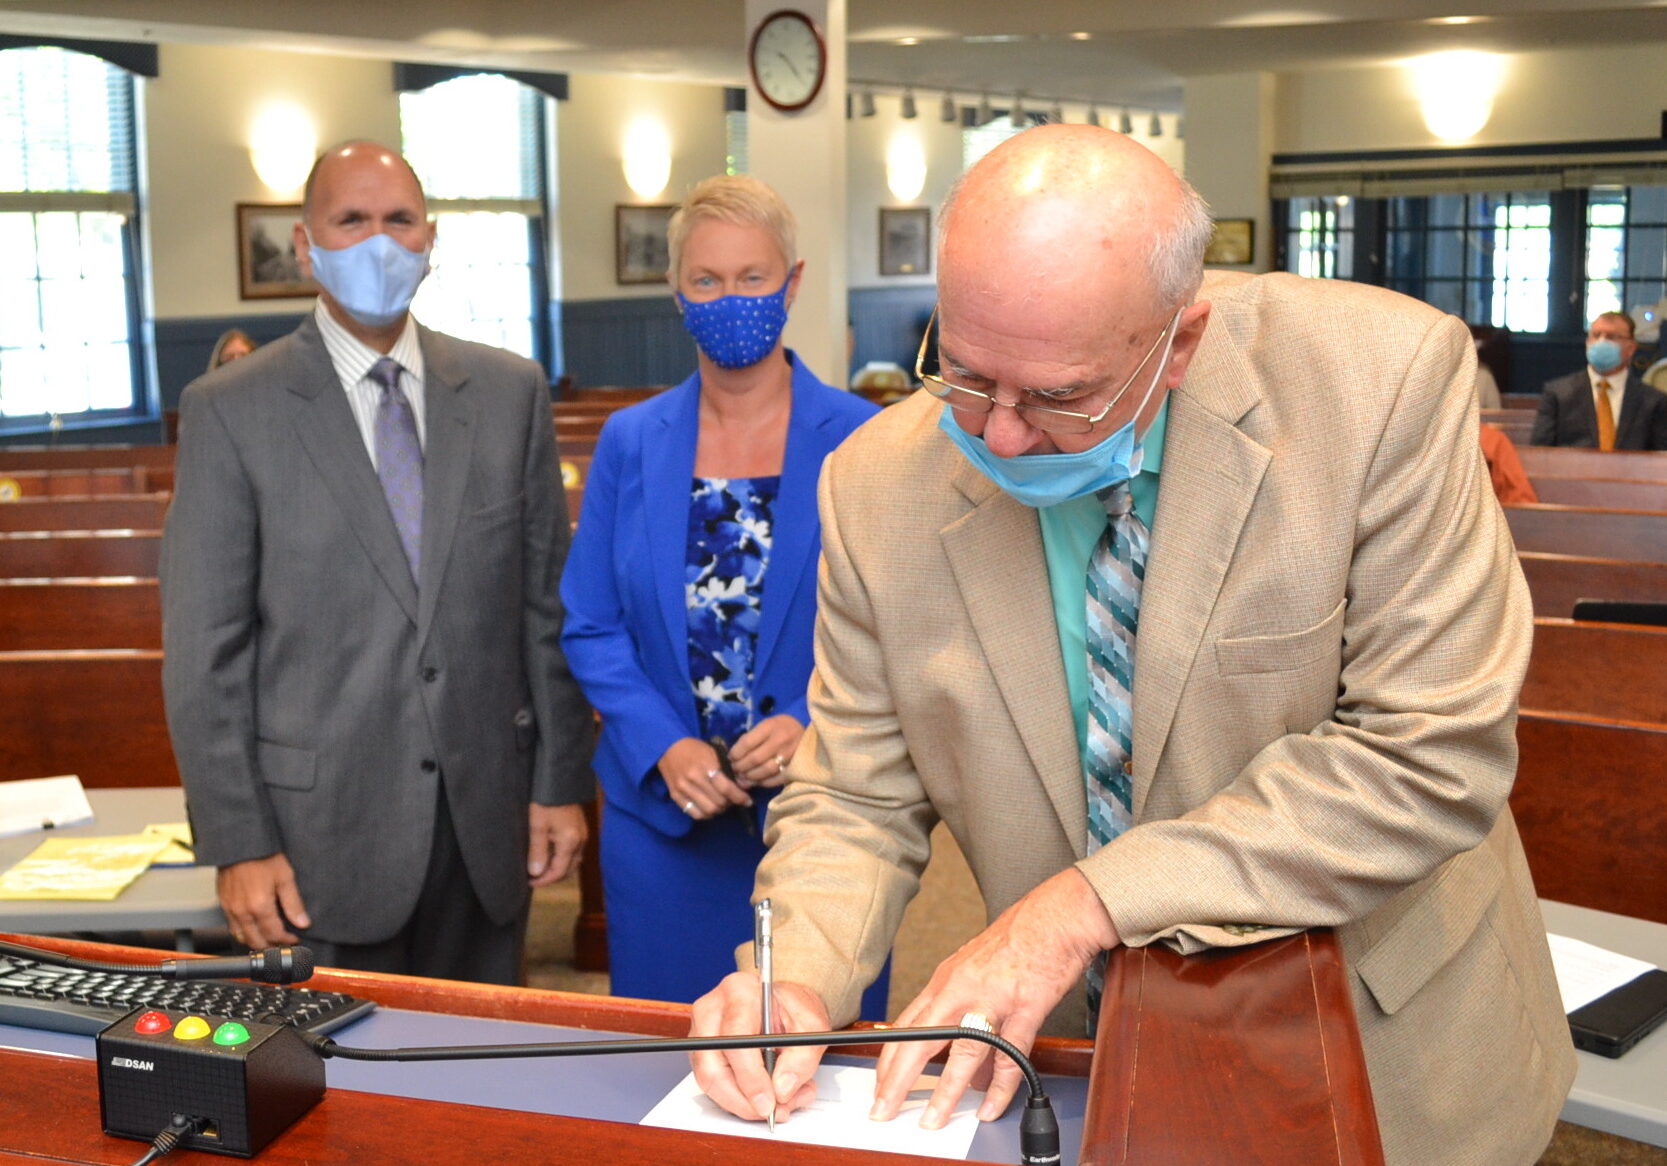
(763, 947)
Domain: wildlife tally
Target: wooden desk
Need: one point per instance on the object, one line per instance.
(1242, 1056)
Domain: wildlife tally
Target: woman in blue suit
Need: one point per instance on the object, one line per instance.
(690, 593)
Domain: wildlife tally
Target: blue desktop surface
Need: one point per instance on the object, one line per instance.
(617, 1088)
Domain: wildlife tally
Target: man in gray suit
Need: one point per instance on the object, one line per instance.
(1605, 405)
(365, 686)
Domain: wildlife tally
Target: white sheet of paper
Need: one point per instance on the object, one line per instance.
(1585, 972)
(838, 1117)
(29, 803)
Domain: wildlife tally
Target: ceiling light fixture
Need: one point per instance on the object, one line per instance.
(947, 111)
(910, 110)
(985, 114)
(1017, 118)
(1093, 116)
(1154, 128)
(1125, 123)
(1057, 114)
(868, 103)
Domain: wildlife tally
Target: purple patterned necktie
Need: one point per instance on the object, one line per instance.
(399, 459)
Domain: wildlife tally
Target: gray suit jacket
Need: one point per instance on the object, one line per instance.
(1567, 415)
(317, 697)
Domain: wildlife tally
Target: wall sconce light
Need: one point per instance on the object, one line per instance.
(1154, 127)
(1125, 124)
(1456, 91)
(647, 159)
(910, 110)
(905, 165)
(948, 113)
(282, 145)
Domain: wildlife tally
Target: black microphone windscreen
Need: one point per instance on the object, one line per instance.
(303, 964)
(281, 965)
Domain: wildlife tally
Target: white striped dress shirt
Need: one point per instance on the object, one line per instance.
(352, 359)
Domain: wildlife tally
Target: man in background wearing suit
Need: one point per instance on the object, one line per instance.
(1313, 727)
(380, 741)
(1605, 405)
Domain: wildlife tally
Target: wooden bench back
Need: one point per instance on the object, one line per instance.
(1638, 536)
(1610, 670)
(105, 480)
(88, 512)
(1556, 581)
(1562, 461)
(1605, 493)
(84, 457)
(43, 615)
(1591, 805)
(79, 554)
(97, 714)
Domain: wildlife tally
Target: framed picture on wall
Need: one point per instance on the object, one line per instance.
(905, 240)
(267, 268)
(641, 254)
(1234, 241)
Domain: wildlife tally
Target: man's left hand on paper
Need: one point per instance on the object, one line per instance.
(1012, 974)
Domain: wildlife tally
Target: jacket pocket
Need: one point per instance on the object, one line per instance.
(1284, 651)
(1432, 930)
(286, 766)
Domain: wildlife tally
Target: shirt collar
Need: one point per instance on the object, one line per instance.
(352, 357)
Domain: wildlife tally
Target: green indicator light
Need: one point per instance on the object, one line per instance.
(230, 1033)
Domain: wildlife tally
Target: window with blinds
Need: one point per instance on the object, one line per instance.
(68, 289)
(477, 143)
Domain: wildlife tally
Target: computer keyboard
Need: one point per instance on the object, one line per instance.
(36, 995)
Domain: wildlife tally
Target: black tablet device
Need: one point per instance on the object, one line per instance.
(1614, 1022)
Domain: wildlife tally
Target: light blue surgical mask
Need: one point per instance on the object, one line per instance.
(1604, 355)
(1047, 479)
(374, 280)
(736, 331)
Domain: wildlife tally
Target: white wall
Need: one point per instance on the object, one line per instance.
(197, 117)
(1230, 133)
(1552, 96)
(590, 149)
(867, 141)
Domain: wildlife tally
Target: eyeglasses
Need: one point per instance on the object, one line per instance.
(1040, 416)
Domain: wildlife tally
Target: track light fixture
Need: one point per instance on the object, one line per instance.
(910, 110)
(1125, 123)
(1154, 128)
(947, 112)
(1093, 115)
(1017, 118)
(868, 103)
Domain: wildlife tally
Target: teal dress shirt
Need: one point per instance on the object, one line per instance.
(1069, 532)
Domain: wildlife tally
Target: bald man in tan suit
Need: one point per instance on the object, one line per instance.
(1332, 632)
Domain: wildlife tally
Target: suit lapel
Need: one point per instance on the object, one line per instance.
(449, 444)
(668, 469)
(792, 540)
(995, 552)
(1210, 476)
(327, 431)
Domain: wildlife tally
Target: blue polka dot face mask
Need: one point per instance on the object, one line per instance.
(736, 331)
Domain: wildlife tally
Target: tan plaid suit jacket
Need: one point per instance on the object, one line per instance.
(1332, 636)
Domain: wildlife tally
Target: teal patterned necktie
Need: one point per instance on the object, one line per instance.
(1116, 570)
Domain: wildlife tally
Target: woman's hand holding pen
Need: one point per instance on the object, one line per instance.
(760, 755)
(697, 785)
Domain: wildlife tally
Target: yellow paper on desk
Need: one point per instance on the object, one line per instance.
(178, 851)
(81, 868)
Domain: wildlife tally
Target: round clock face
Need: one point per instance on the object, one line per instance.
(788, 59)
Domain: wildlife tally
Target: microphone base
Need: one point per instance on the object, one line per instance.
(245, 1094)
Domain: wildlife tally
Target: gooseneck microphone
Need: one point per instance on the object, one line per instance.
(274, 965)
(1038, 1127)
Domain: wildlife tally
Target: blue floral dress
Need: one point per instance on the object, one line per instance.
(728, 552)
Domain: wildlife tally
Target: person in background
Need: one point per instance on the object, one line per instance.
(381, 745)
(234, 343)
(691, 597)
(1605, 405)
(1510, 481)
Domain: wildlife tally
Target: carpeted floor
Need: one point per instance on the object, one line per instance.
(947, 911)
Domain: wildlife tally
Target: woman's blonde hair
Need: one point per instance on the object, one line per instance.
(733, 198)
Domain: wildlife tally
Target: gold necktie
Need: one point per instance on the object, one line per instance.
(1606, 418)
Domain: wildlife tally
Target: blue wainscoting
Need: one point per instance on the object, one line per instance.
(886, 323)
(183, 345)
(627, 342)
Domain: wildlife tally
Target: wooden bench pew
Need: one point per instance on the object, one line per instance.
(87, 512)
(1608, 493)
(1556, 581)
(1591, 805)
(84, 457)
(615, 395)
(1516, 424)
(43, 615)
(1610, 670)
(77, 554)
(93, 713)
(1562, 461)
(105, 480)
(1639, 536)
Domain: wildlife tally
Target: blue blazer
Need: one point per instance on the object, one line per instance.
(626, 633)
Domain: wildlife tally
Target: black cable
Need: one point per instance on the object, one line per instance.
(1038, 1127)
(166, 1142)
